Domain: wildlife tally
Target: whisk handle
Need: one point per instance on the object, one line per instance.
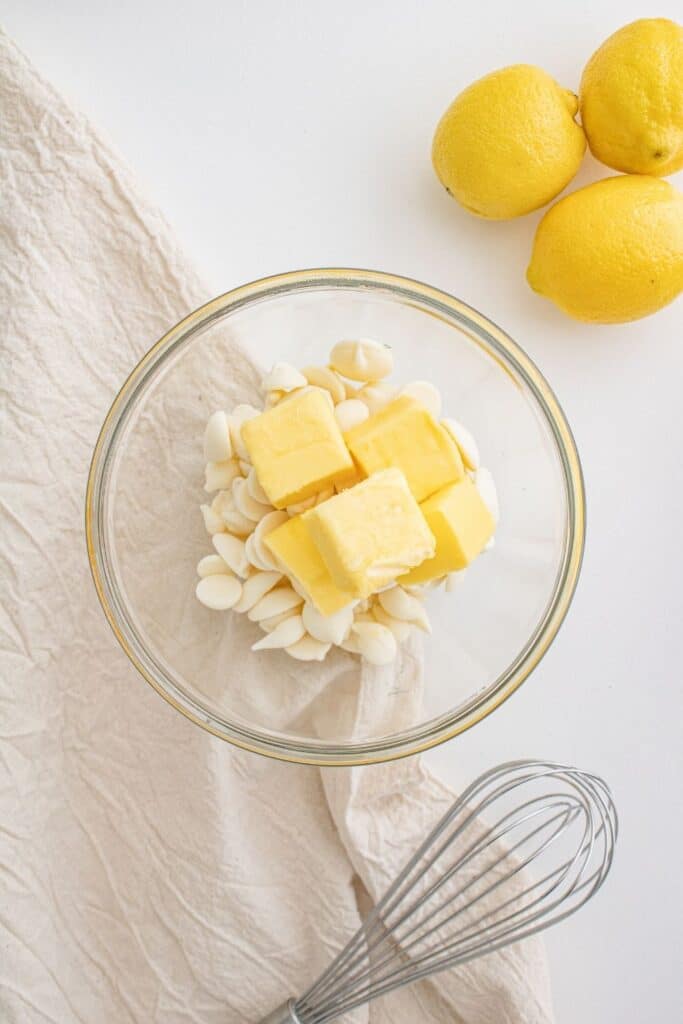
(285, 1014)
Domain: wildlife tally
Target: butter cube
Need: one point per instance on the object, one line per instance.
(404, 434)
(297, 448)
(462, 525)
(371, 533)
(294, 549)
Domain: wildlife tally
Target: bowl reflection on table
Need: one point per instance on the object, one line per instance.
(145, 533)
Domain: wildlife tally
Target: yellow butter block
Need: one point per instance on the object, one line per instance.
(294, 549)
(297, 448)
(371, 533)
(462, 525)
(404, 434)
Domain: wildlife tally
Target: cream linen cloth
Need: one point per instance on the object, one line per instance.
(149, 872)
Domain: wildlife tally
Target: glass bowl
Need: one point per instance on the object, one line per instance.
(145, 534)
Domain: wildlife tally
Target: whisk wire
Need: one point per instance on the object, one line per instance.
(401, 939)
(393, 894)
(407, 945)
(385, 981)
(375, 924)
(464, 893)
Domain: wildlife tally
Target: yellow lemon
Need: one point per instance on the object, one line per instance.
(509, 143)
(612, 251)
(632, 98)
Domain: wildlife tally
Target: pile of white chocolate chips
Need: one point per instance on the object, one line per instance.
(248, 576)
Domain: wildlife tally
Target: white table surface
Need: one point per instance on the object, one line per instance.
(286, 135)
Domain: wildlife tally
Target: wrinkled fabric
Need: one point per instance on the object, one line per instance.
(148, 871)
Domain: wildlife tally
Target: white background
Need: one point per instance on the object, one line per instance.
(281, 135)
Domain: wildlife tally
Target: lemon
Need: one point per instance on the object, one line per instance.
(612, 251)
(509, 143)
(632, 98)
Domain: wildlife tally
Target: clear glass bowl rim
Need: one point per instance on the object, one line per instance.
(433, 732)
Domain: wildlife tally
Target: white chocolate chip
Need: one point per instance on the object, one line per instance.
(364, 616)
(464, 439)
(350, 644)
(301, 506)
(255, 489)
(376, 643)
(217, 445)
(376, 396)
(274, 603)
(219, 592)
(236, 523)
(219, 475)
(400, 629)
(426, 587)
(362, 360)
(315, 499)
(224, 506)
(245, 504)
(283, 377)
(424, 392)
(350, 413)
(325, 377)
(327, 628)
(324, 495)
(487, 489)
(212, 521)
(299, 587)
(308, 649)
(245, 466)
(273, 621)
(401, 605)
(212, 565)
(309, 387)
(232, 550)
(261, 555)
(243, 412)
(253, 555)
(286, 634)
(256, 587)
(236, 420)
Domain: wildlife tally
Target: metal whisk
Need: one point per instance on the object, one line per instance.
(465, 892)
